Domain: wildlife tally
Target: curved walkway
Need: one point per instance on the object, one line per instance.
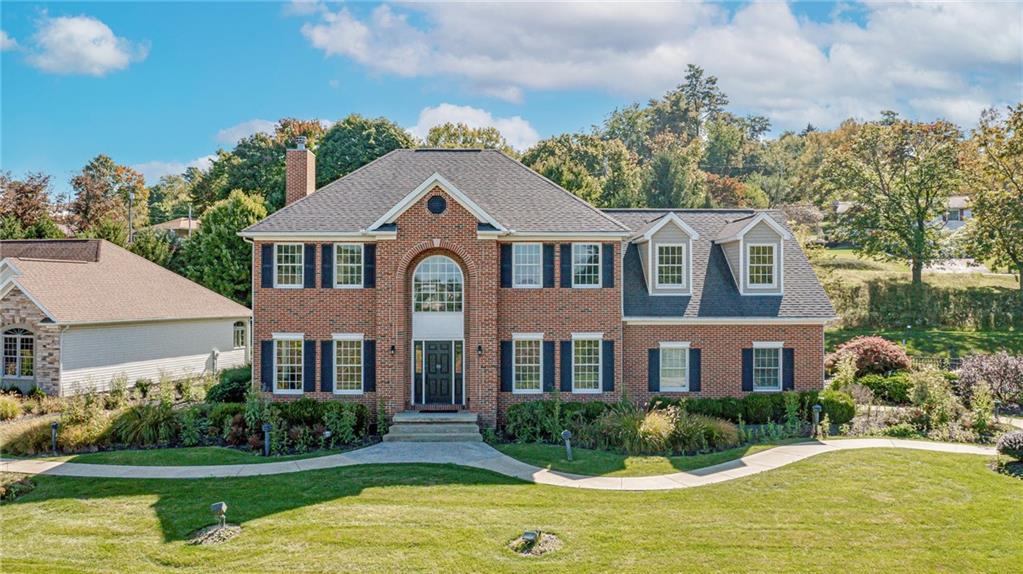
(479, 455)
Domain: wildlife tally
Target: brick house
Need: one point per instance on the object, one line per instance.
(463, 280)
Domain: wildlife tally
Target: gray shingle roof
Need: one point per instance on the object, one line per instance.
(714, 291)
(515, 196)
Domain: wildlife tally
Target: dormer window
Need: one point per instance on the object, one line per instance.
(671, 269)
(761, 265)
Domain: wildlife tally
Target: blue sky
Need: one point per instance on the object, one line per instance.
(162, 85)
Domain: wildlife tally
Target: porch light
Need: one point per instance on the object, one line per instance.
(393, 349)
(479, 350)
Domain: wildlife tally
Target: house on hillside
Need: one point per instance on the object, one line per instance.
(461, 280)
(77, 313)
(957, 211)
(183, 227)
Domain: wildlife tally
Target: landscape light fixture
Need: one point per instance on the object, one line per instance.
(219, 510)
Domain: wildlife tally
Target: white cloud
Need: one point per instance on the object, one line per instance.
(245, 129)
(303, 7)
(517, 131)
(154, 170)
(7, 42)
(82, 45)
(857, 62)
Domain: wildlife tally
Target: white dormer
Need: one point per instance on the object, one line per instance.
(754, 248)
(666, 253)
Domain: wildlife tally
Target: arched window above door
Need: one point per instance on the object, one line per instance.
(437, 286)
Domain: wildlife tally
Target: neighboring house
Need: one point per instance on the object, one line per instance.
(957, 211)
(183, 227)
(77, 313)
(461, 279)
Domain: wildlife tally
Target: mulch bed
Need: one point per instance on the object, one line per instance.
(543, 543)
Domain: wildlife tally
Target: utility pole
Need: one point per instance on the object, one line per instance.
(131, 199)
(189, 220)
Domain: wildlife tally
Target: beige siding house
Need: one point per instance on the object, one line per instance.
(77, 314)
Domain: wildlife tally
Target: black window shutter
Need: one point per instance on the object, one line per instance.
(788, 360)
(566, 264)
(369, 366)
(327, 266)
(327, 366)
(694, 370)
(310, 266)
(369, 265)
(607, 258)
(548, 366)
(609, 366)
(747, 369)
(266, 366)
(566, 365)
(653, 370)
(309, 367)
(506, 366)
(266, 265)
(548, 265)
(506, 265)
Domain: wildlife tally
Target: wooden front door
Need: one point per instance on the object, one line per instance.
(439, 378)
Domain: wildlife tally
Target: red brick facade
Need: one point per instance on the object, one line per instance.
(492, 314)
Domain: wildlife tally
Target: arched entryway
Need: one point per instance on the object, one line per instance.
(438, 332)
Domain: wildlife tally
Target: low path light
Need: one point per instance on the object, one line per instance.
(219, 510)
(267, 427)
(566, 435)
(53, 435)
(817, 419)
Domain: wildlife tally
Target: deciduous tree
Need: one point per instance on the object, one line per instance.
(105, 188)
(603, 172)
(452, 135)
(355, 141)
(25, 208)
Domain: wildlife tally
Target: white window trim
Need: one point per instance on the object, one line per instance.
(362, 267)
(680, 345)
(300, 284)
(18, 357)
(515, 283)
(288, 337)
(685, 266)
(778, 346)
(600, 266)
(599, 337)
(245, 333)
(775, 265)
(335, 337)
(516, 337)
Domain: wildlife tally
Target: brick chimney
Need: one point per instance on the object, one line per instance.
(300, 167)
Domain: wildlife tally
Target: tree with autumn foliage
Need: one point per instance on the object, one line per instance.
(25, 209)
(104, 189)
(452, 135)
(996, 230)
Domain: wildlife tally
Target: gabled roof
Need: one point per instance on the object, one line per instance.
(647, 231)
(93, 281)
(734, 230)
(514, 196)
(714, 292)
(436, 180)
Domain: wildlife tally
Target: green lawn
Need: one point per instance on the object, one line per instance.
(853, 511)
(850, 267)
(936, 341)
(604, 463)
(200, 455)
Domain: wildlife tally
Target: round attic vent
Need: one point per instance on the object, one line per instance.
(436, 204)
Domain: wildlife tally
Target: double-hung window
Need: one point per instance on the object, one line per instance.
(671, 268)
(348, 265)
(586, 364)
(288, 363)
(527, 265)
(239, 334)
(760, 261)
(767, 366)
(289, 261)
(348, 364)
(528, 363)
(585, 265)
(19, 354)
(675, 367)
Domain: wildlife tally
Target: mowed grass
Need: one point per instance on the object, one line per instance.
(850, 267)
(200, 455)
(853, 511)
(936, 341)
(603, 463)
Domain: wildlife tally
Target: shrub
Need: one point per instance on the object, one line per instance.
(10, 407)
(534, 421)
(14, 485)
(26, 436)
(845, 372)
(982, 408)
(305, 411)
(222, 414)
(901, 430)
(655, 432)
(234, 429)
(146, 425)
(117, 397)
(256, 410)
(92, 432)
(871, 355)
(892, 389)
(194, 426)
(143, 386)
(758, 408)
(839, 407)
(1011, 444)
(233, 385)
(347, 422)
(933, 395)
(1001, 371)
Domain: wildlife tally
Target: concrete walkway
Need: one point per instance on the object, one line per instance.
(480, 455)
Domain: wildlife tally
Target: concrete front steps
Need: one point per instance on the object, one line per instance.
(434, 427)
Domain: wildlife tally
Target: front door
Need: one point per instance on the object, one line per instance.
(439, 377)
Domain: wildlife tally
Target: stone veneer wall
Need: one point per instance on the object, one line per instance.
(17, 310)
